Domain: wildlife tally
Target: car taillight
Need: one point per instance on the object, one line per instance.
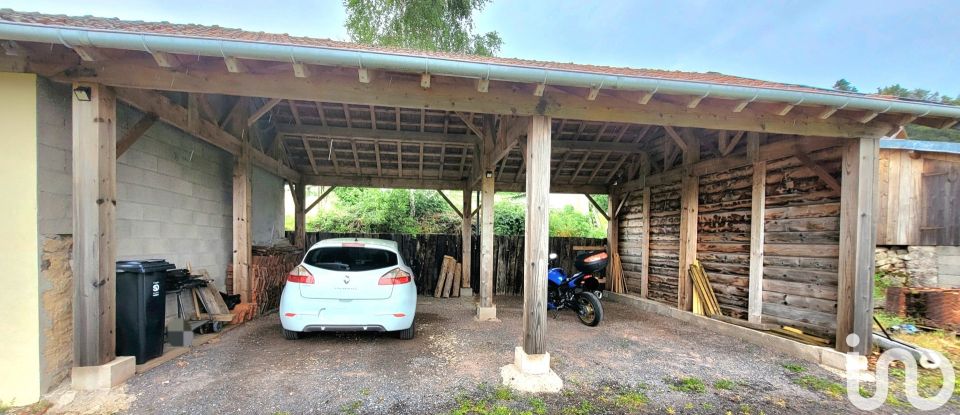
(394, 277)
(300, 275)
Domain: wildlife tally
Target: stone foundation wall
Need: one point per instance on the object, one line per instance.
(56, 301)
(908, 266)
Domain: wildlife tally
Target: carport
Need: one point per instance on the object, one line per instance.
(771, 186)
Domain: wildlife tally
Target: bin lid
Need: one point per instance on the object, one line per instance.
(144, 265)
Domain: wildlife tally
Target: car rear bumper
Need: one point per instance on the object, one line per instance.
(313, 315)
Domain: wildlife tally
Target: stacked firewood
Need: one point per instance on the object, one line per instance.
(449, 281)
(268, 274)
(269, 267)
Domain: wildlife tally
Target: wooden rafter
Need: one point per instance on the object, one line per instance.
(135, 132)
(817, 169)
(676, 137)
(263, 110)
(452, 206)
(319, 199)
(597, 206)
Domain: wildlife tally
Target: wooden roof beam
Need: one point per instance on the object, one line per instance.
(435, 184)
(262, 110)
(177, 116)
(368, 134)
(88, 53)
(166, 60)
(338, 86)
(828, 112)
(681, 143)
(538, 91)
(868, 117)
(12, 48)
(301, 70)
(135, 132)
(234, 65)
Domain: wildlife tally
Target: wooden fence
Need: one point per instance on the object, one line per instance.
(424, 254)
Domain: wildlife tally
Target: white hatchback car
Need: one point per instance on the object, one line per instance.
(350, 284)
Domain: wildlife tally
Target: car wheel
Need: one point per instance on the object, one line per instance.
(291, 335)
(408, 333)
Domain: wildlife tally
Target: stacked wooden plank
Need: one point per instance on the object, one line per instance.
(449, 279)
(704, 300)
(213, 306)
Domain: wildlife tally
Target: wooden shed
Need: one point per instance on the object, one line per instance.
(771, 186)
(919, 186)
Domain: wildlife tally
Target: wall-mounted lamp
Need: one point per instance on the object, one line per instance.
(83, 93)
(489, 174)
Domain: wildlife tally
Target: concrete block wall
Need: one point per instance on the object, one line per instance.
(174, 199)
(268, 207)
(174, 202)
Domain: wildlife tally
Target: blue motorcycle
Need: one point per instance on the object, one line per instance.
(578, 292)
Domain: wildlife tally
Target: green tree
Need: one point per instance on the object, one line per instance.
(509, 218)
(386, 211)
(432, 25)
(570, 223)
(844, 85)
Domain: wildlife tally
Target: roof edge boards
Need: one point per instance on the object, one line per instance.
(154, 43)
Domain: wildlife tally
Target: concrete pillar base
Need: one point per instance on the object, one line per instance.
(104, 376)
(466, 293)
(531, 373)
(487, 313)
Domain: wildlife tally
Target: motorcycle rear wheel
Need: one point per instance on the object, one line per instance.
(589, 309)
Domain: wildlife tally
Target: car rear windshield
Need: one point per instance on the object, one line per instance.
(350, 258)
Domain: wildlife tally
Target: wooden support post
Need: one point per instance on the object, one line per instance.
(241, 223)
(614, 283)
(467, 236)
(536, 235)
(858, 199)
(689, 206)
(94, 208)
(486, 242)
(487, 311)
(757, 204)
(645, 245)
(300, 216)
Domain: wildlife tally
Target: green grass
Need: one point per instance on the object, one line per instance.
(689, 385)
(631, 399)
(795, 368)
(725, 384)
(351, 408)
(822, 385)
(538, 406)
(585, 408)
(503, 393)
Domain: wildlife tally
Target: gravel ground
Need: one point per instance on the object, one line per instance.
(631, 363)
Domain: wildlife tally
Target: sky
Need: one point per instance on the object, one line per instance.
(810, 42)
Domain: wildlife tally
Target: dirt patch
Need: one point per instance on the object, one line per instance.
(632, 362)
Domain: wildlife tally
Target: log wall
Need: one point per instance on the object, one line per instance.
(801, 246)
(723, 232)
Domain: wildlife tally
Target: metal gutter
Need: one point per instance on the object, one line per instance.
(921, 145)
(152, 43)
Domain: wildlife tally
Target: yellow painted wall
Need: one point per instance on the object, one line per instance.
(19, 255)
